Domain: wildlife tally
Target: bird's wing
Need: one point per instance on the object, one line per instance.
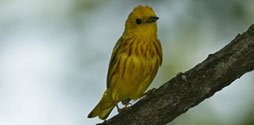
(160, 51)
(113, 61)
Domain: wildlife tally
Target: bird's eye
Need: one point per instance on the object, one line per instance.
(138, 21)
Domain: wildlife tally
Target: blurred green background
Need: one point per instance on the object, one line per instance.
(54, 56)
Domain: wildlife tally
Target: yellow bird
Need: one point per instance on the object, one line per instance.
(134, 62)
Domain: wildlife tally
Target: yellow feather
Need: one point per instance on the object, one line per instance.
(134, 62)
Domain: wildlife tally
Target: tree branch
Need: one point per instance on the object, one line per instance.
(192, 87)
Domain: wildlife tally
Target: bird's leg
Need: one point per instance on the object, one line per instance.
(126, 103)
(118, 108)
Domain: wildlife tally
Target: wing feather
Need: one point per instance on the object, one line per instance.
(113, 61)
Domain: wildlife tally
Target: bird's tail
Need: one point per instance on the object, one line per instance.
(104, 107)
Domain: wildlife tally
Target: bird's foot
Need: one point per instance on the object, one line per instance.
(126, 103)
(123, 109)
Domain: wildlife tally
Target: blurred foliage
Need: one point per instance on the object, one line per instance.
(249, 118)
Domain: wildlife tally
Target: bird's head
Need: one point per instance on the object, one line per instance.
(142, 20)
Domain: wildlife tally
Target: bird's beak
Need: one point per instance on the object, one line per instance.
(152, 19)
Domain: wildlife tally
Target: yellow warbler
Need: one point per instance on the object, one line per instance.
(134, 63)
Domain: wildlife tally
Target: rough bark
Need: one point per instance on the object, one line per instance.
(192, 87)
